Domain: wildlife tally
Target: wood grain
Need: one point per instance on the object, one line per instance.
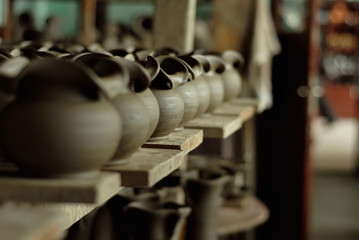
(244, 112)
(147, 166)
(90, 190)
(183, 139)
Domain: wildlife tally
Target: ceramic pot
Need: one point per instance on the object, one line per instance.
(232, 80)
(137, 72)
(186, 88)
(156, 221)
(211, 75)
(204, 196)
(164, 87)
(9, 70)
(60, 124)
(199, 82)
(135, 120)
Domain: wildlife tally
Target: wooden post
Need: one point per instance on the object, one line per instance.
(88, 31)
(174, 24)
(9, 13)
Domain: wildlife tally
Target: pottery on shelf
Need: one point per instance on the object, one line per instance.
(155, 220)
(231, 77)
(164, 87)
(137, 72)
(199, 82)
(60, 124)
(135, 120)
(186, 88)
(212, 67)
(204, 197)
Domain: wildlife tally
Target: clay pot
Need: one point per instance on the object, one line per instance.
(60, 124)
(232, 80)
(212, 68)
(138, 72)
(156, 221)
(199, 82)
(204, 196)
(164, 87)
(186, 88)
(9, 70)
(135, 120)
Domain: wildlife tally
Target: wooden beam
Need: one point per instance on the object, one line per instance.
(174, 24)
(9, 18)
(88, 24)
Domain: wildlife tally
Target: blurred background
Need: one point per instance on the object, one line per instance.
(307, 141)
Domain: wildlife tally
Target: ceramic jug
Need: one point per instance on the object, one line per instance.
(200, 83)
(212, 68)
(136, 72)
(204, 197)
(186, 88)
(156, 221)
(164, 87)
(60, 124)
(135, 120)
(232, 80)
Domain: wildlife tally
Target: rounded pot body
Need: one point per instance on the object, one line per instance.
(60, 139)
(216, 91)
(204, 95)
(153, 110)
(232, 83)
(189, 95)
(135, 124)
(171, 111)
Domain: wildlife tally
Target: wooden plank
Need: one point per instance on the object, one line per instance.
(216, 126)
(244, 112)
(8, 14)
(174, 24)
(88, 24)
(183, 139)
(90, 190)
(147, 166)
(29, 224)
(239, 215)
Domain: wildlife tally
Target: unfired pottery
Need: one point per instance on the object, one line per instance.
(204, 196)
(187, 89)
(164, 87)
(211, 75)
(199, 82)
(137, 72)
(156, 221)
(231, 77)
(60, 125)
(135, 120)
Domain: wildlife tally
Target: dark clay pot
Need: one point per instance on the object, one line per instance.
(60, 124)
(199, 82)
(137, 72)
(164, 86)
(156, 221)
(204, 196)
(232, 80)
(135, 120)
(212, 68)
(187, 89)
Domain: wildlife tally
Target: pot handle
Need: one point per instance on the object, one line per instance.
(234, 58)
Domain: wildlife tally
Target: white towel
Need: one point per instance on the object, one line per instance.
(265, 44)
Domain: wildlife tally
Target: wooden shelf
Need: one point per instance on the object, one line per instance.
(245, 101)
(239, 215)
(184, 139)
(244, 112)
(147, 166)
(89, 190)
(216, 126)
(29, 224)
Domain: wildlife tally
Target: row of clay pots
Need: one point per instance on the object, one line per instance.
(133, 215)
(66, 114)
